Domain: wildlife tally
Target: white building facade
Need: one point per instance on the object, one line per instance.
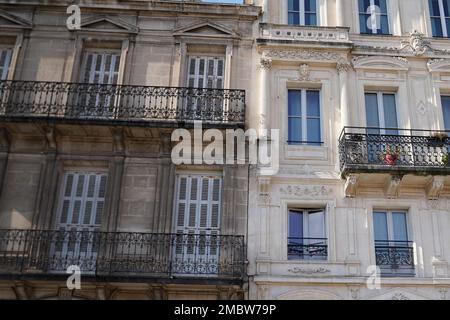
(359, 208)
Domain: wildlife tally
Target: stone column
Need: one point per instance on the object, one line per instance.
(343, 67)
(265, 66)
(340, 13)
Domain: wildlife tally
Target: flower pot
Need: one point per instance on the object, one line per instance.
(391, 159)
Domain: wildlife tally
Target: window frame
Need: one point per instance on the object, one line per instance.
(207, 57)
(390, 225)
(304, 118)
(6, 70)
(302, 13)
(375, 31)
(442, 98)
(442, 17)
(380, 107)
(85, 53)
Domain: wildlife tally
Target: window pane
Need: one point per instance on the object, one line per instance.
(363, 5)
(382, 5)
(293, 5)
(295, 224)
(363, 20)
(434, 8)
(313, 103)
(294, 18)
(310, 19)
(446, 7)
(384, 23)
(390, 113)
(437, 27)
(295, 130)
(294, 102)
(380, 226)
(314, 131)
(310, 6)
(316, 225)
(447, 22)
(372, 112)
(399, 226)
(446, 111)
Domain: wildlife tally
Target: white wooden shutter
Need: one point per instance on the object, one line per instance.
(83, 201)
(206, 72)
(101, 67)
(5, 61)
(198, 204)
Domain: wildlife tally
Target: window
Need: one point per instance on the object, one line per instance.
(197, 223)
(446, 111)
(5, 61)
(440, 17)
(80, 216)
(306, 239)
(302, 12)
(101, 67)
(373, 16)
(381, 112)
(206, 72)
(304, 123)
(393, 250)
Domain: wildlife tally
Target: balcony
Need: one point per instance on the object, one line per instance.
(120, 104)
(396, 151)
(307, 249)
(117, 256)
(312, 34)
(395, 258)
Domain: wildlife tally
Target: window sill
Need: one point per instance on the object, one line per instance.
(306, 152)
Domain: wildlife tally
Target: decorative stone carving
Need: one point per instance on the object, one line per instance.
(354, 293)
(343, 66)
(118, 137)
(50, 137)
(264, 191)
(439, 65)
(305, 73)
(262, 292)
(350, 186)
(435, 187)
(309, 271)
(392, 186)
(421, 108)
(443, 292)
(302, 55)
(308, 191)
(399, 296)
(416, 44)
(380, 62)
(265, 63)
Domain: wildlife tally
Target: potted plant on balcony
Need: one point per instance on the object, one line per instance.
(391, 155)
(446, 159)
(437, 139)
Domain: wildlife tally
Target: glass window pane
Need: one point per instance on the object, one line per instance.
(382, 5)
(384, 23)
(363, 21)
(390, 113)
(380, 226)
(437, 27)
(291, 5)
(295, 130)
(372, 117)
(446, 111)
(313, 103)
(294, 18)
(434, 8)
(447, 22)
(363, 5)
(294, 103)
(310, 19)
(295, 224)
(446, 7)
(310, 6)
(314, 131)
(316, 225)
(399, 226)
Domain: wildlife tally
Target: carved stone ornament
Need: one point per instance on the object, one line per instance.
(319, 270)
(305, 73)
(416, 44)
(399, 296)
(302, 55)
(265, 63)
(308, 191)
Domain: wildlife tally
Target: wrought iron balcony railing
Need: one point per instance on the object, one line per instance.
(120, 103)
(307, 248)
(421, 152)
(395, 258)
(114, 255)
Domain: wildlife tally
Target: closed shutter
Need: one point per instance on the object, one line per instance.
(5, 61)
(198, 204)
(206, 72)
(83, 201)
(101, 68)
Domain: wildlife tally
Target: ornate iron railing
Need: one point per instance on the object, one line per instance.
(120, 103)
(121, 254)
(423, 152)
(395, 258)
(307, 248)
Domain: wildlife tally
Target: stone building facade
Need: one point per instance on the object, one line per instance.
(87, 115)
(360, 93)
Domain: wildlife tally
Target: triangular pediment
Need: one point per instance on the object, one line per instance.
(206, 28)
(8, 20)
(107, 24)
